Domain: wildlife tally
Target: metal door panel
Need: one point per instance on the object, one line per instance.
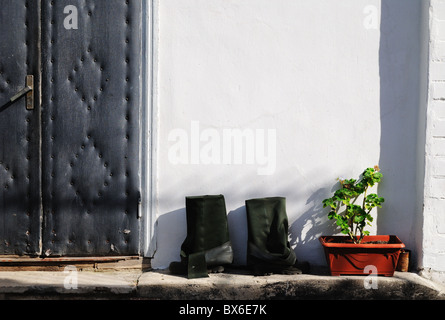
(90, 138)
(69, 169)
(20, 210)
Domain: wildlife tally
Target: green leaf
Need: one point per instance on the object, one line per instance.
(345, 211)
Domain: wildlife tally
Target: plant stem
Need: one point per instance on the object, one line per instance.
(361, 237)
(364, 198)
(354, 239)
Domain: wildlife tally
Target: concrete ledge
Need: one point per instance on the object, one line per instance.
(160, 285)
(239, 286)
(67, 285)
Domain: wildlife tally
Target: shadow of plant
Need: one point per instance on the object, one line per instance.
(309, 226)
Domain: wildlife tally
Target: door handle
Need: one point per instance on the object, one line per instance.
(27, 90)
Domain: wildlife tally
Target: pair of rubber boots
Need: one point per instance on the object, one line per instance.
(207, 247)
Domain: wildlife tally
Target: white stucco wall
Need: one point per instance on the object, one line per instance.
(323, 88)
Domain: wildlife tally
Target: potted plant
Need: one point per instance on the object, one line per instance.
(357, 252)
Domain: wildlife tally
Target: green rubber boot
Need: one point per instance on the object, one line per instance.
(268, 248)
(207, 245)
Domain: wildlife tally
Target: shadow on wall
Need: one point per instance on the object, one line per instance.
(174, 230)
(237, 221)
(303, 233)
(173, 234)
(400, 71)
(309, 226)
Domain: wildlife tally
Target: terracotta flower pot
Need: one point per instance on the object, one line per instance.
(379, 253)
(404, 261)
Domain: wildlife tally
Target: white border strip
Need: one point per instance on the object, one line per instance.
(149, 127)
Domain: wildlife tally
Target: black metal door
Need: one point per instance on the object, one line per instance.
(89, 143)
(20, 206)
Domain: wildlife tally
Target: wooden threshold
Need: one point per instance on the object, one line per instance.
(108, 263)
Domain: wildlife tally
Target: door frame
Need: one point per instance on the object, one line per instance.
(149, 127)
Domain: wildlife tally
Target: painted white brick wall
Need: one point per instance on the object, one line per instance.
(438, 92)
(438, 166)
(437, 148)
(438, 127)
(437, 70)
(439, 8)
(439, 28)
(434, 192)
(439, 50)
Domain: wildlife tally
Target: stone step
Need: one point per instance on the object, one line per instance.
(231, 285)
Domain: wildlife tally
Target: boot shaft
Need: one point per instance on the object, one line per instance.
(268, 231)
(207, 225)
